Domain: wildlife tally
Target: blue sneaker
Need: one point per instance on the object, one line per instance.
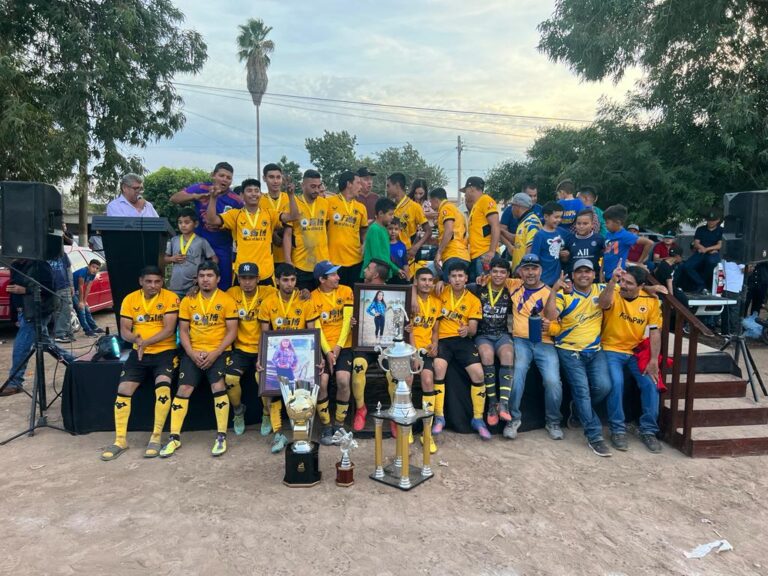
(479, 426)
(279, 443)
(438, 425)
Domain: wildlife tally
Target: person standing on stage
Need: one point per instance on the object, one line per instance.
(410, 213)
(252, 226)
(347, 225)
(207, 328)
(248, 297)
(376, 246)
(334, 304)
(619, 241)
(452, 233)
(148, 319)
(367, 197)
(482, 226)
(276, 200)
(549, 243)
(220, 240)
(566, 197)
(186, 252)
(130, 203)
(528, 226)
(308, 236)
(284, 310)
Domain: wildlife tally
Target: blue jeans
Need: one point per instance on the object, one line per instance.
(649, 394)
(84, 316)
(476, 268)
(587, 374)
(700, 263)
(25, 340)
(545, 357)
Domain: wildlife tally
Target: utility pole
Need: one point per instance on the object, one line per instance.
(459, 148)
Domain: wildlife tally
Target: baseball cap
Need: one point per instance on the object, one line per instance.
(474, 182)
(363, 171)
(522, 199)
(583, 263)
(248, 269)
(323, 268)
(529, 260)
(712, 215)
(633, 227)
(669, 234)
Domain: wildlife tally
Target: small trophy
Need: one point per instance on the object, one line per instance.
(301, 458)
(345, 468)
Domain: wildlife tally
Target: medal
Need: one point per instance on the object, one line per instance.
(491, 298)
(285, 309)
(254, 222)
(200, 301)
(205, 320)
(249, 307)
(184, 247)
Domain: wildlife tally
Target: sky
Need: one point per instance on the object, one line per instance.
(450, 54)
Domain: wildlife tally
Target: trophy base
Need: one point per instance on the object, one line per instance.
(392, 477)
(345, 476)
(302, 470)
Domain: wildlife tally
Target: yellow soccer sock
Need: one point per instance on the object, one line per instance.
(122, 414)
(162, 407)
(234, 390)
(341, 412)
(359, 367)
(439, 398)
(275, 416)
(322, 412)
(478, 400)
(179, 408)
(428, 401)
(391, 385)
(221, 409)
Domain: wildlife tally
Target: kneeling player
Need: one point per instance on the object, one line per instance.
(207, 328)
(148, 320)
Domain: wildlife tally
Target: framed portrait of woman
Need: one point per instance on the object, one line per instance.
(293, 354)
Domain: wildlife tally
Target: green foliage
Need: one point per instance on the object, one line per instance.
(290, 169)
(163, 183)
(331, 154)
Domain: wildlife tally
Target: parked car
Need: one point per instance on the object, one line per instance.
(100, 297)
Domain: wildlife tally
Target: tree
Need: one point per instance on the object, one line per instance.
(164, 182)
(331, 154)
(254, 49)
(291, 169)
(102, 72)
(507, 179)
(407, 160)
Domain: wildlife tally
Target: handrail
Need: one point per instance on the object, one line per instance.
(683, 310)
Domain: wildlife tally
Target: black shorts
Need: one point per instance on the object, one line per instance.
(343, 362)
(190, 374)
(240, 361)
(462, 350)
(429, 363)
(160, 364)
(305, 280)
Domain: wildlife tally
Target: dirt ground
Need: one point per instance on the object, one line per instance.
(530, 506)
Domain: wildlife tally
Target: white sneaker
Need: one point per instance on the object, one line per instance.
(510, 430)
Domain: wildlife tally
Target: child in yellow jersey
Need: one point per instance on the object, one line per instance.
(248, 297)
(452, 232)
(207, 329)
(148, 320)
(284, 310)
(347, 223)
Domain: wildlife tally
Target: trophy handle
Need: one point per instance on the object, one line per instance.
(419, 362)
(382, 359)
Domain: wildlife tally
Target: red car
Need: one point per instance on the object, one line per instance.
(100, 297)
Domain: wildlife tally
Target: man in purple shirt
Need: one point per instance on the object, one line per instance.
(220, 240)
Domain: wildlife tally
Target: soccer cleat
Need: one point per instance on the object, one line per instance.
(619, 441)
(432, 445)
(600, 448)
(220, 445)
(438, 426)
(555, 432)
(504, 411)
(170, 448)
(493, 414)
(326, 435)
(266, 425)
(359, 421)
(238, 419)
(510, 430)
(651, 442)
(279, 443)
(479, 426)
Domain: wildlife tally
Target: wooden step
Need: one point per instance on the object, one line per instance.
(720, 412)
(710, 386)
(723, 442)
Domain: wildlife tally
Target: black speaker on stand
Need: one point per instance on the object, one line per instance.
(745, 232)
(30, 220)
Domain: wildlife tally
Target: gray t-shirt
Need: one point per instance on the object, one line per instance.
(184, 274)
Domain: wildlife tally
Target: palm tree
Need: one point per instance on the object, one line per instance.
(254, 49)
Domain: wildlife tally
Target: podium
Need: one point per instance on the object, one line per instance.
(129, 245)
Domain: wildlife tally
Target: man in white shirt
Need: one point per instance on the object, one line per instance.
(130, 203)
(734, 282)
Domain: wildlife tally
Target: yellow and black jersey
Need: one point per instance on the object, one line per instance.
(207, 318)
(148, 316)
(627, 322)
(291, 314)
(249, 327)
(423, 317)
(479, 228)
(457, 312)
(330, 306)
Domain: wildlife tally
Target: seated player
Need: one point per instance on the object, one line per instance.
(461, 311)
(334, 304)
(148, 320)
(248, 297)
(207, 329)
(284, 310)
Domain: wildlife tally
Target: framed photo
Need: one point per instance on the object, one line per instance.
(294, 354)
(374, 312)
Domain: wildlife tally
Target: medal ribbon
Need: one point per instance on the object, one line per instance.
(249, 307)
(490, 295)
(454, 304)
(423, 309)
(184, 247)
(346, 206)
(283, 308)
(276, 203)
(312, 209)
(253, 222)
(151, 302)
(200, 300)
(400, 204)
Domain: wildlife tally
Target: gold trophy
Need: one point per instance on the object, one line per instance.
(301, 458)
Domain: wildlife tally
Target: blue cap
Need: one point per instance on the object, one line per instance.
(529, 260)
(323, 268)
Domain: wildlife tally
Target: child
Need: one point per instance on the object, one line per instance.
(569, 204)
(82, 280)
(549, 243)
(186, 252)
(588, 197)
(619, 241)
(398, 253)
(376, 245)
(584, 243)
(661, 250)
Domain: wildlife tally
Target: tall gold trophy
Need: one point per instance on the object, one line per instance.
(301, 457)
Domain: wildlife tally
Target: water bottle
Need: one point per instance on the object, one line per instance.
(534, 326)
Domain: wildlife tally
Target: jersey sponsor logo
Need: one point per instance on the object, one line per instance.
(633, 319)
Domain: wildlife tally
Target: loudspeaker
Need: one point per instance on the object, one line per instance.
(745, 232)
(30, 220)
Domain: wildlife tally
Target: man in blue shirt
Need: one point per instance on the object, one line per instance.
(549, 243)
(620, 240)
(565, 193)
(707, 242)
(508, 221)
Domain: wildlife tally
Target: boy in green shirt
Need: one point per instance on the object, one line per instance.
(377, 238)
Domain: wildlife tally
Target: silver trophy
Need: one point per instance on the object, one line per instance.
(345, 468)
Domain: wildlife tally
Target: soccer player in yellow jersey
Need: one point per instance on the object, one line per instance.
(308, 235)
(252, 226)
(579, 320)
(426, 312)
(451, 230)
(248, 297)
(334, 304)
(347, 224)
(483, 227)
(277, 201)
(284, 310)
(410, 213)
(148, 320)
(628, 314)
(461, 311)
(207, 329)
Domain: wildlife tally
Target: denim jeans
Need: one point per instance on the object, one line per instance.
(649, 394)
(698, 264)
(63, 315)
(587, 375)
(25, 340)
(86, 320)
(545, 357)
(476, 268)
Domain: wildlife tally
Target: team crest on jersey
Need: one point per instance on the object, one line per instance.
(263, 222)
(462, 307)
(159, 306)
(322, 213)
(241, 313)
(197, 317)
(297, 311)
(218, 307)
(304, 222)
(324, 316)
(643, 309)
(337, 217)
(140, 318)
(339, 301)
(417, 320)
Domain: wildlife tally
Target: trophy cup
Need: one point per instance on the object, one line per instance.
(401, 360)
(345, 468)
(301, 458)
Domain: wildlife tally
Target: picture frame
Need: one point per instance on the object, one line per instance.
(367, 333)
(298, 360)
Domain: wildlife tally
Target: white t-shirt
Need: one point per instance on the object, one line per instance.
(734, 276)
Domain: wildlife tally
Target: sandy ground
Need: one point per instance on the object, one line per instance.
(532, 506)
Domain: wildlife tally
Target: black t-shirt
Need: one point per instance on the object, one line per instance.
(663, 271)
(494, 320)
(707, 237)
